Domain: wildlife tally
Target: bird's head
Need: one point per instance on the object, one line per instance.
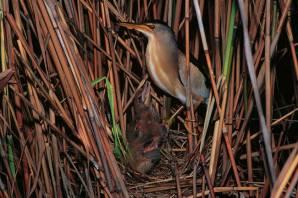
(150, 30)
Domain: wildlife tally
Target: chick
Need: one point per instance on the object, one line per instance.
(144, 135)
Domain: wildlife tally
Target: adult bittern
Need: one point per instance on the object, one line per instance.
(166, 63)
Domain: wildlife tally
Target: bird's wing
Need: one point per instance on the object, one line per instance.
(198, 86)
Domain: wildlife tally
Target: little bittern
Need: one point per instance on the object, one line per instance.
(166, 63)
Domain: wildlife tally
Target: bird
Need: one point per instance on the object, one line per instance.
(165, 63)
(144, 147)
(145, 135)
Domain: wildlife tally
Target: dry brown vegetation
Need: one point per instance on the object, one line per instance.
(58, 134)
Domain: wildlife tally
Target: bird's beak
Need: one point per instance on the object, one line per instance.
(146, 29)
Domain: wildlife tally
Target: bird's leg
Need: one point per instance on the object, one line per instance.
(170, 121)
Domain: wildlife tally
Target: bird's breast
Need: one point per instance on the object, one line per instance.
(163, 69)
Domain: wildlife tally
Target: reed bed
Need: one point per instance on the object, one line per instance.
(69, 75)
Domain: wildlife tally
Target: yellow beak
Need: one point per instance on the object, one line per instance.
(146, 29)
